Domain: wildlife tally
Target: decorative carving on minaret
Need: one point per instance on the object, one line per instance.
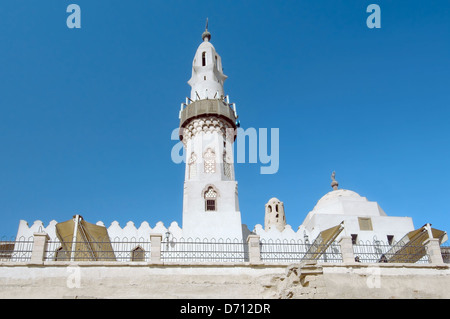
(192, 165)
(208, 124)
(334, 183)
(209, 160)
(226, 165)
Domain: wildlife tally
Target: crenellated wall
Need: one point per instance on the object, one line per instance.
(287, 234)
(115, 231)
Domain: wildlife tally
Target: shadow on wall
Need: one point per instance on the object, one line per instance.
(246, 232)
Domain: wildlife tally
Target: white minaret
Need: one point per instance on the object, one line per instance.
(208, 131)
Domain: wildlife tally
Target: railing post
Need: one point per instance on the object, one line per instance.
(347, 249)
(155, 249)
(434, 251)
(254, 251)
(40, 241)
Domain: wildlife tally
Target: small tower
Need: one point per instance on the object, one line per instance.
(208, 130)
(275, 217)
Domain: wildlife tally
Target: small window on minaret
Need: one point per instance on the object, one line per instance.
(204, 59)
(210, 204)
(210, 199)
(204, 78)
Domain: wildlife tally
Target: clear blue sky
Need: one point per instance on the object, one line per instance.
(86, 114)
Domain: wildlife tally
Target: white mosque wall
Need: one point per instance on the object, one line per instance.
(288, 234)
(116, 232)
(25, 231)
(382, 226)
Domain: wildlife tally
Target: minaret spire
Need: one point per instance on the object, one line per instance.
(334, 183)
(207, 78)
(206, 36)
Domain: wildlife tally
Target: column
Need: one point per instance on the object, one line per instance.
(39, 248)
(155, 249)
(433, 250)
(347, 249)
(254, 251)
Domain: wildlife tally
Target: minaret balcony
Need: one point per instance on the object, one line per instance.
(216, 107)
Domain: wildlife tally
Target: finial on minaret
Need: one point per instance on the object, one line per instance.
(206, 34)
(334, 183)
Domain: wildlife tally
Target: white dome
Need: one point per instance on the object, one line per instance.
(340, 205)
(345, 202)
(335, 194)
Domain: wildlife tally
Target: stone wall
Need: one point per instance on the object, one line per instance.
(225, 281)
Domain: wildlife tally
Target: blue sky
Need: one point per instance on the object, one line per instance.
(87, 114)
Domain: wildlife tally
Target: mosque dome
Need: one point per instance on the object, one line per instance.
(344, 202)
(337, 194)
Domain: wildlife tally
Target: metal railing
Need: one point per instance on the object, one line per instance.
(378, 251)
(197, 250)
(220, 250)
(292, 251)
(17, 250)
